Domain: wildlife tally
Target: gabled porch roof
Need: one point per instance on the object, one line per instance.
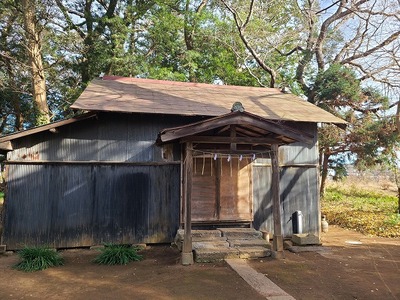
(245, 130)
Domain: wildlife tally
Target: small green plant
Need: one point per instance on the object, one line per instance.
(38, 258)
(114, 254)
(393, 219)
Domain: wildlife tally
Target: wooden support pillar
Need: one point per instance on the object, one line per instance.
(187, 253)
(276, 203)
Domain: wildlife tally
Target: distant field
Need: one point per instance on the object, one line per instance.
(368, 210)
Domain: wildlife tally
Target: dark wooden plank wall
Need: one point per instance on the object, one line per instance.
(83, 205)
(299, 186)
(109, 138)
(94, 181)
(299, 191)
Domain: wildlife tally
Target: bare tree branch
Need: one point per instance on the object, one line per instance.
(386, 42)
(68, 19)
(241, 28)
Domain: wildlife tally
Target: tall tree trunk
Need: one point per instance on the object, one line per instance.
(398, 199)
(35, 59)
(397, 180)
(324, 173)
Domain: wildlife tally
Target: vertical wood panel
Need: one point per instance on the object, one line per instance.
(222, 195)
(83, 205)
(236, 190)
(204, 203)
(110, 137)
(299, 153)
(299, 191)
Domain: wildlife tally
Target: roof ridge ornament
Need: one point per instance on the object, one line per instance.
(237, 106)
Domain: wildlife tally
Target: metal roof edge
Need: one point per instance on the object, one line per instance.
(16, 135)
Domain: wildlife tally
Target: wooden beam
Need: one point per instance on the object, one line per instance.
(251, 131)
(228, 140)
(275, 127)
(241, 119)
(225, 149)
(187, 251)
(276, 203)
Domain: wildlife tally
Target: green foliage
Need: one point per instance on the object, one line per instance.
(373, 139)
(340, 172)
(337, 86)
(369, 212)
(369, 135)
(114, 254)
(38, 258)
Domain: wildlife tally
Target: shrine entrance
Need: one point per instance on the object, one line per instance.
(216, 182)
(221, 189)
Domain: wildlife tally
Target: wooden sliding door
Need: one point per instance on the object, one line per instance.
(221, 190)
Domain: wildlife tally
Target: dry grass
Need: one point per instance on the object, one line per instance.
(367, 207)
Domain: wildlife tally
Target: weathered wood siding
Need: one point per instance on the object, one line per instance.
(104, 180)
(299, 182)
(109, 138)
(94, 181)
(83, 205)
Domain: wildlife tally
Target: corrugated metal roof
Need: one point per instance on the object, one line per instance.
(136, 95)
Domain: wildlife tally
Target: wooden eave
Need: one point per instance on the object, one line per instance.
(249, 129)
(5, 141)
(138, 95)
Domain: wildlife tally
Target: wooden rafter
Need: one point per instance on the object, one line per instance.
(282, 134)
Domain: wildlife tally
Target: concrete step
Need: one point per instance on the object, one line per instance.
(218, 254)
(206, 233)
(224, 243)
(207, 255)
(240, 233)
(253, 252)
(200, 236)
(211, 234)
(208, 239)
(210, 244)
(258, 242)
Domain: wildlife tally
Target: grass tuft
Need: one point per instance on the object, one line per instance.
(38, 258)
(114, 254)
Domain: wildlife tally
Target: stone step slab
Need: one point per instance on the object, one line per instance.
(206, 233)
(240, 233)
(305, 239)
(210, 244)
(254, 252)
(206, 255)
(249, 243)
(208, 239)
(198, 234)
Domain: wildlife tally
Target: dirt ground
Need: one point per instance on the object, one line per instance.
(351, 266)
